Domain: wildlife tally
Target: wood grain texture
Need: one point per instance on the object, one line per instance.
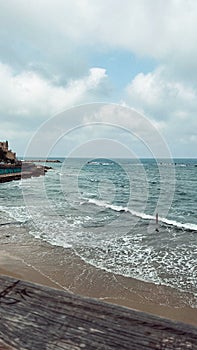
(37, 317)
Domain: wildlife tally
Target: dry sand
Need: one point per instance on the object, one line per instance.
(24, 257)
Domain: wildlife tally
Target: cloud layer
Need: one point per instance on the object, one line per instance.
(47, 55)
(27, 99)
(154, 28)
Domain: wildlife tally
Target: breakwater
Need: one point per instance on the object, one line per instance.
(44, 161)
(10, 172)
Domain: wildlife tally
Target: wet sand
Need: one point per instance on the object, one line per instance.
(25, 257)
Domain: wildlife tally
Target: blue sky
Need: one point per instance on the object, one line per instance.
(121, 66)
(56, 55)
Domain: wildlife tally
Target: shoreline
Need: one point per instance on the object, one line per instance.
(24, 257)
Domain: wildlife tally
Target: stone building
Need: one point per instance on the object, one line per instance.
(6, 155)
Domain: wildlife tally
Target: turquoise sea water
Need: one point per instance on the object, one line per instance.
(105, 210)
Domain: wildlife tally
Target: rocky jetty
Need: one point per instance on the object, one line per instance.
(24, 170)
(13, 169)
(44, 161)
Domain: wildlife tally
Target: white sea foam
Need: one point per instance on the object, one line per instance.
(186, 226)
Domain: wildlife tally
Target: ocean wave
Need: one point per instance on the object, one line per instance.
(99, 163)
(117, 208)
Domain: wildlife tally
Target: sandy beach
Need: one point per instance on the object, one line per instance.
(25, 257)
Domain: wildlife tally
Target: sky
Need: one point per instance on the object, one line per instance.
(56, 55)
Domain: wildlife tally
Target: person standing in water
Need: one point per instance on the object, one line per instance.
(157, 222)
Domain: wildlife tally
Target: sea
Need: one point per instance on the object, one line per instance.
(105, 210)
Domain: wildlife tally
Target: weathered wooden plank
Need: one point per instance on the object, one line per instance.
(37, 317)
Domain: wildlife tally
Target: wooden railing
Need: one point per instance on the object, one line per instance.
(36, 317)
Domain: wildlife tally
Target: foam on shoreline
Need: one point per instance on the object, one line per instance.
(25, 257)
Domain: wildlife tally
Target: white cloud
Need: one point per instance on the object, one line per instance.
(27, 98)
(55, 38)
(160, 96)
(129, 126)
(29, 94)
(171, 103)
(155, 28)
